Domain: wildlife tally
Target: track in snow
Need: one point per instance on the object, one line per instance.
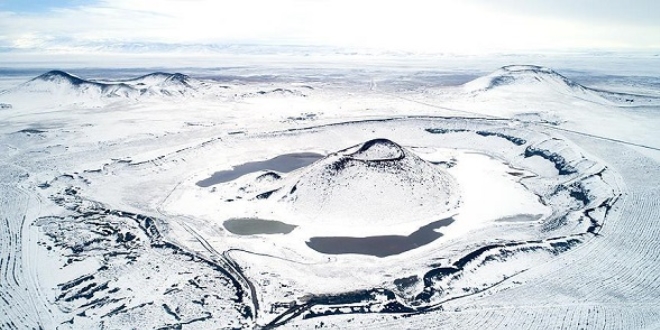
(21, 306)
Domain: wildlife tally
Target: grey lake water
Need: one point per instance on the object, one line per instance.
(254, 226)
(283, 163)
(379, 246)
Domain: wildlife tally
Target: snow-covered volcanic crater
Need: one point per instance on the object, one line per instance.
(442, 194)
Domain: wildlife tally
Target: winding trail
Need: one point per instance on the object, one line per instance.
(228, 264)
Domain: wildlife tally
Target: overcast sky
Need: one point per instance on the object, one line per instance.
(472, 26)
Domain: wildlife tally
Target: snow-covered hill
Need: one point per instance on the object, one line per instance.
(377, 183)
(60, 83)
(520, 75)
(173, 84)
(59, 87)
(529, 79)
(522, 80)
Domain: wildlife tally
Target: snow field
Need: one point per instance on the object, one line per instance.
(555, 227)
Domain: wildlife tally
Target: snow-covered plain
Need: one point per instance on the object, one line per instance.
(340, 198)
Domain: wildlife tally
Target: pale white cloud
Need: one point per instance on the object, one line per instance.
(616, 12)
(412, 25)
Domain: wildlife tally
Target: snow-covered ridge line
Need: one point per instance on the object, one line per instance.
(158, 83)
(59, 87)
(534, 79)
(520, 74)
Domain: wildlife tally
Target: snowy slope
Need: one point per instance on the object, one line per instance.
(174, 84)
(522, 79)
(532, 79)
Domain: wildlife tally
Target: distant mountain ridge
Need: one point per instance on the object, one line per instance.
(63, 86)
(153, 83)
(58, 88)
(161, 78)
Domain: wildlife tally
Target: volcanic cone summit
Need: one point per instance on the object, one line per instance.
(378, 149)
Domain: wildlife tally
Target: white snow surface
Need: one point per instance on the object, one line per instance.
(520, 199)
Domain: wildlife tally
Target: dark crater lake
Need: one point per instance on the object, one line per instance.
(283, 163)
(254, 226)
(379, 246)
